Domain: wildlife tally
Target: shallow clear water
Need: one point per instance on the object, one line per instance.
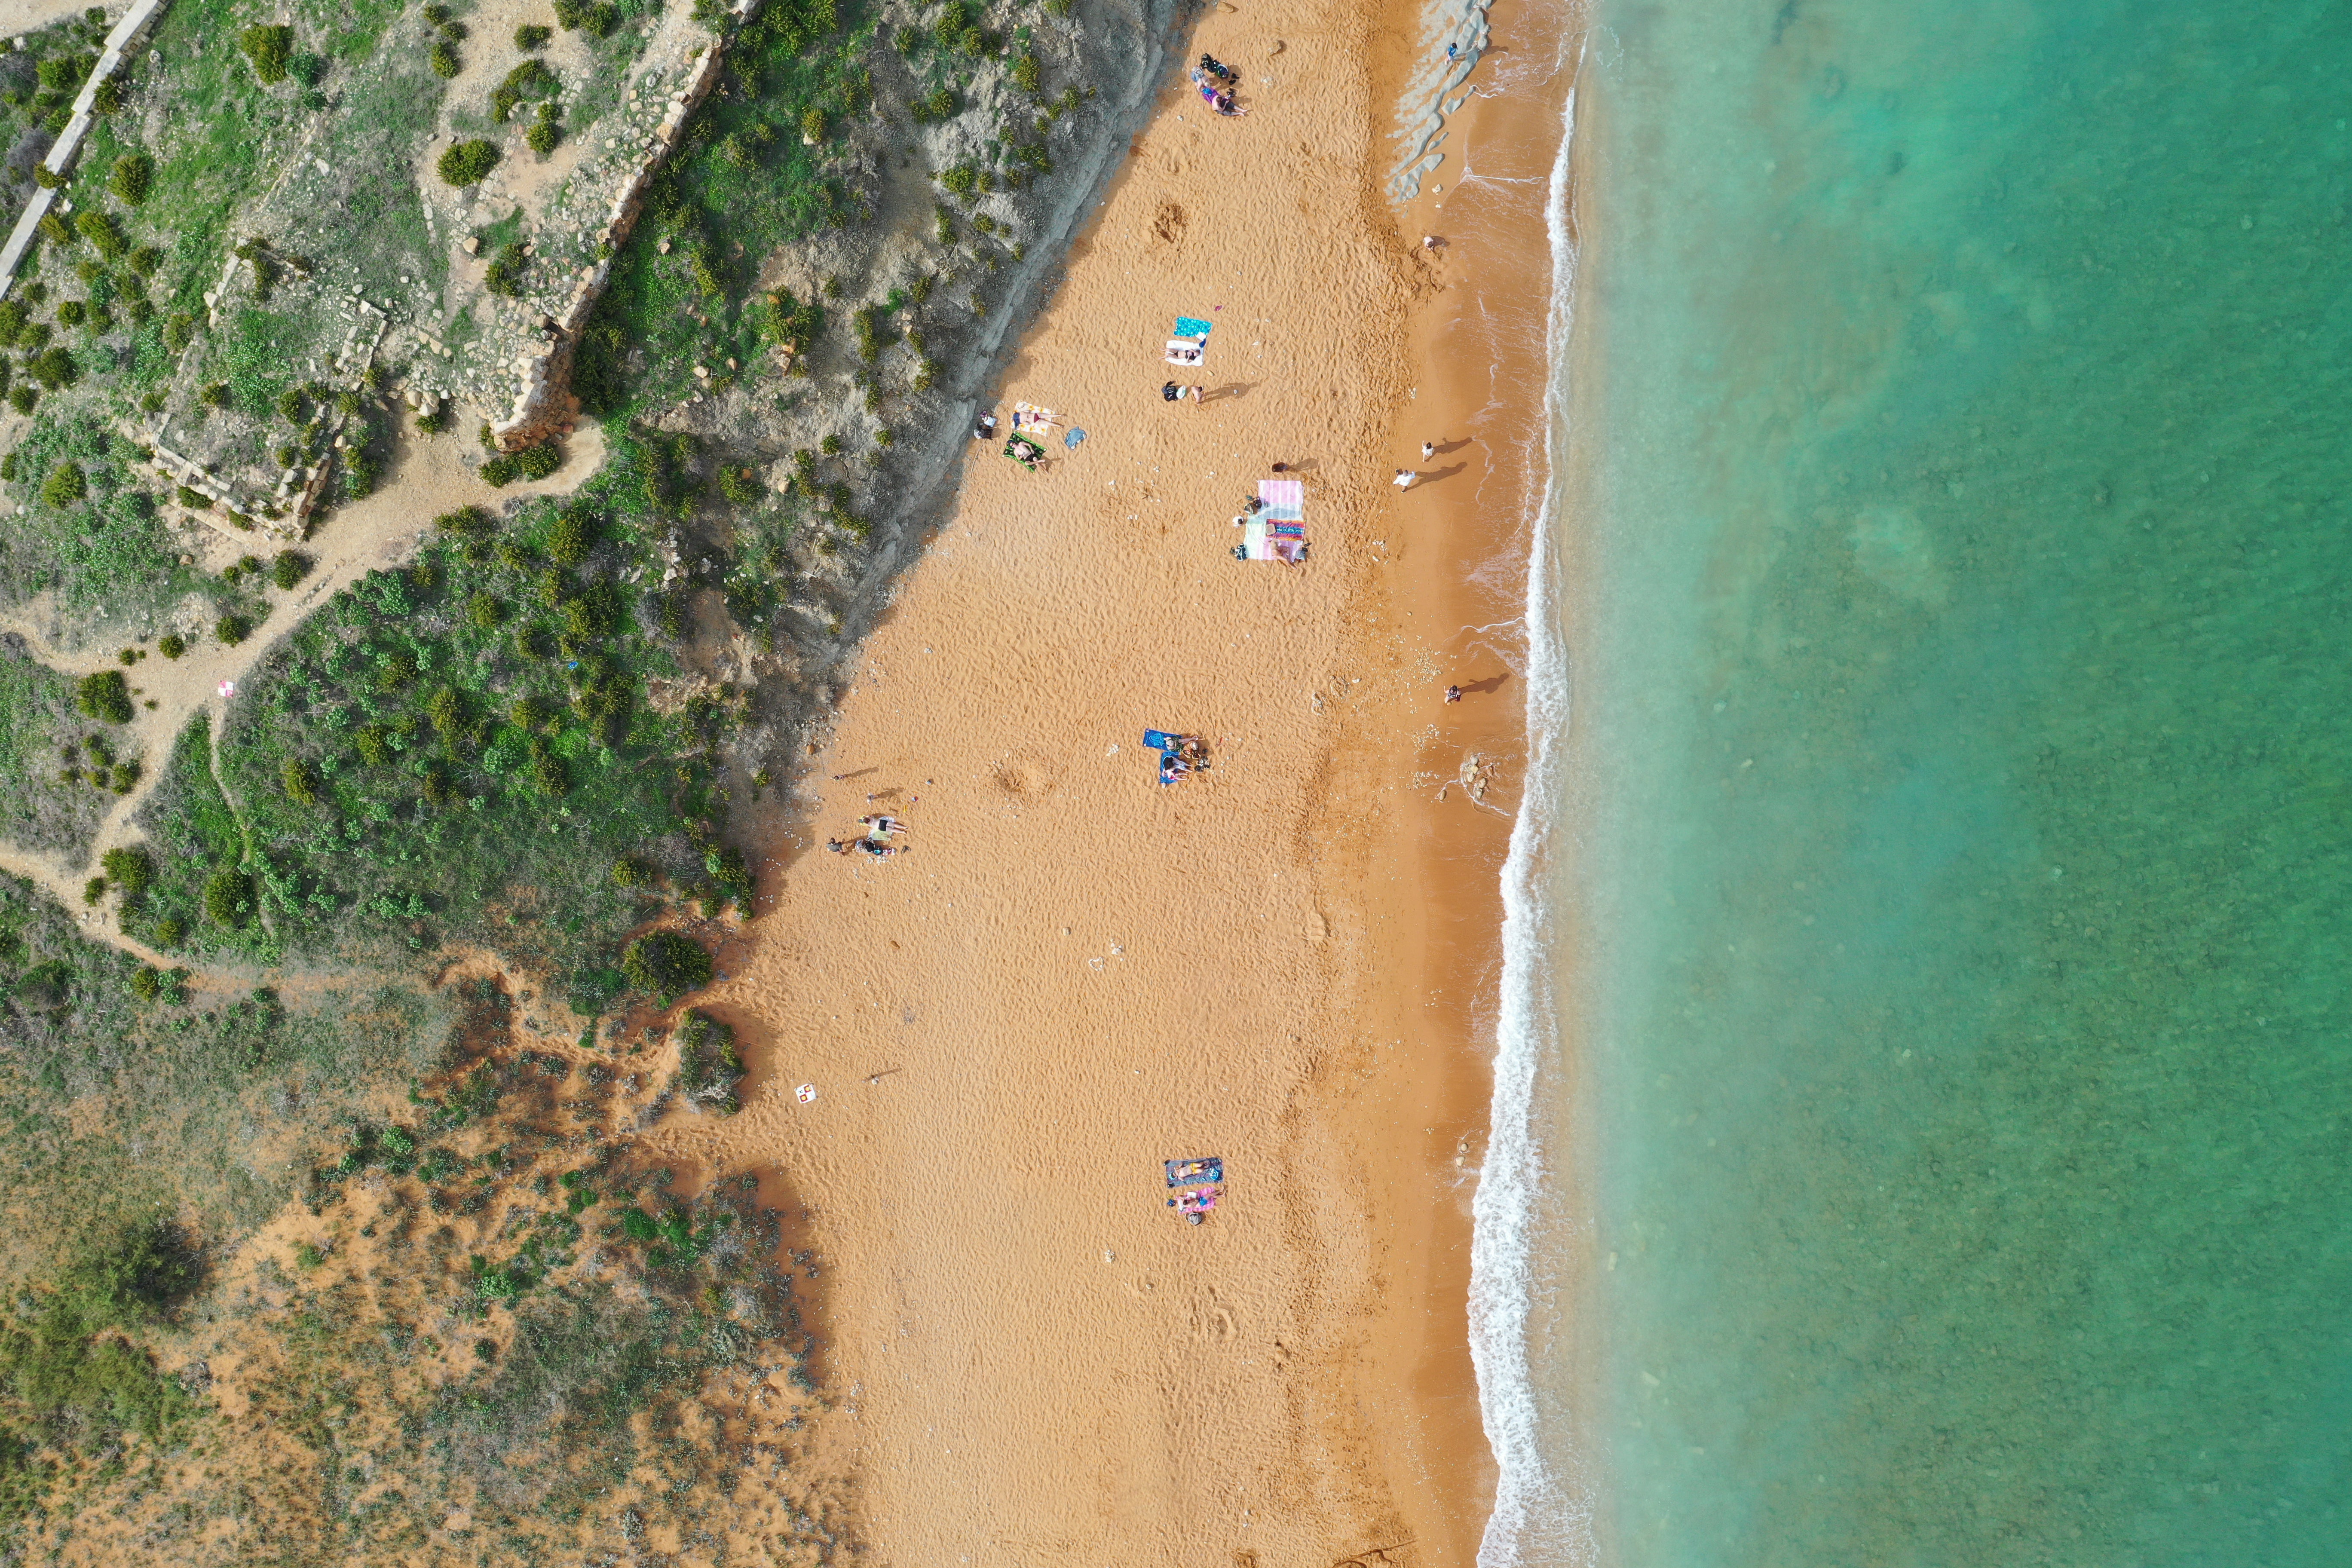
(1958, 896)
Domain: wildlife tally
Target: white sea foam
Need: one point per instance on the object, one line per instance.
(1542, 1516)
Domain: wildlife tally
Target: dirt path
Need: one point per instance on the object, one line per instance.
(427, 476)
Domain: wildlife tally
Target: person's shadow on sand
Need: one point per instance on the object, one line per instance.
(1487, 687)
(1434, 475)
(1231, 390)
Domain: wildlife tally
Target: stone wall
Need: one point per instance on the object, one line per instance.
(67, 146)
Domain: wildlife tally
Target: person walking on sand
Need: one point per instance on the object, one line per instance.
(1428, 450)
(1453, 694)
(1404, 477)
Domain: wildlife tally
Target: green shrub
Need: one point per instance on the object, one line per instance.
(291, 567)
(232, 629)
(145, 260)
(93, 890)
(396, 670)
(53, 368)
(171, 645)
(506, 270)
(269, 48)
(125, 778)
(532, 35)
(497, 472)
(544, 136)
(943, 104)
(665, 966)
(571, 537)
(597, 17)
(66, 485)
(445, 64)
(55, 230)
(736, 487)
(539, 462)
(627, 873)
(134, 173)
(132, 868)
(708, 1068)
(228, 897)
(466, 163)
(301, 781)
(98, 230)
(168, 931)
(947, 26)
(217, 395)
(359, 472)
(373, 745)
(147, 982)
(531, 79)
(485, 612)
(1027, 75)
(467, 521)
(550, 774)
(446, 710)
(104, 695)
(179, 332)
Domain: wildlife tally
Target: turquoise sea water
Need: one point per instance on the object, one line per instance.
(1955, 878)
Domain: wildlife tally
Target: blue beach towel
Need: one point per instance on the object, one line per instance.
(1159, 739)
(1191, 327)
(1073, 438)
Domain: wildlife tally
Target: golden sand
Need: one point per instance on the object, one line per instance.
(1074, 974)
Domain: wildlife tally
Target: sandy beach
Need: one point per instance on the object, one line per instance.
(968, 1061)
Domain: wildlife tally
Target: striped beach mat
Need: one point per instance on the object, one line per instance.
(1261, 543)
(1284, 498)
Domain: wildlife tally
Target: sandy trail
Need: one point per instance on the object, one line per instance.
(21, 16)
(427, 477)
